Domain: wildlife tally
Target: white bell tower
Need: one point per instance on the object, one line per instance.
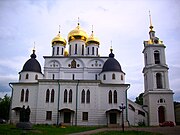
(157, 95)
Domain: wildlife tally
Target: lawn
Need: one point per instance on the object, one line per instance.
(42, 130)
(126, 133)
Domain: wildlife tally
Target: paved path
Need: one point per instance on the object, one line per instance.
(162, 130)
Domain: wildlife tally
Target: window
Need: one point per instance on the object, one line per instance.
(57, 50)
(85, 116)
(65, 96)
(53, 76)
(27, 95)
(62, 50)
(95, 76)
(88, 50)
(70, 49)
(53, 51)
(88, 97)
(52, 95)
(145, 58)
(92, 50)
(22, 95)
(113, 76)
(19, 77)
(73, 76)
(27, 76)
(121, 77)
(47, 95)
(83, 96)
(36, 77)
(115, 97)
(141, 113)
(82, 49)
(104, 77)
(75, 49)
(70, 96)
(159, 80)
(97, 51)
(48, 115)
(156, 57)
(110, 97)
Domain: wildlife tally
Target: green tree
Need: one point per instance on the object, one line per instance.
(4, 107)
(139, 99)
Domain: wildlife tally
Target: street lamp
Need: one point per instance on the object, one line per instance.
(122, 107)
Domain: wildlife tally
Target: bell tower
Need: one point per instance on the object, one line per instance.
(157, 95)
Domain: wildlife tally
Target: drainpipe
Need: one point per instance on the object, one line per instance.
(58, 104)
(10, 102)
(127, 105)
(76, 102)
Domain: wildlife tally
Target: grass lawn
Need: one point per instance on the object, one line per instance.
(6, 129)
(126, 133)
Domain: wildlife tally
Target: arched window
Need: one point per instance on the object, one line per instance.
(27, 76)
(62, 50)
(83, 96)
(104, 77)
(27, 95)
(121, 77)
(113, 76)
(145, 58)
(52, 95)
(69, 49)
(19, 77)
(97, 51)
(65, 96)
(92, 50)
(95, 76)
(70, 96)
(115, 97)
(36, 77)
(82, 49)
(53, 51)
(75, 49)
(47, 95)
(88, 50)
(156, 57)
(53, 76)
(88, 97)
(57, 50)
(159, 80)
(73, 76)
(22, 95)
(110, 97)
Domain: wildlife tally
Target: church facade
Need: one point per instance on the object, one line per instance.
(80, 87)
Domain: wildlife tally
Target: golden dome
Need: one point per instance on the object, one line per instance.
(77, 33)
(58, 39)
(92, 39)
(66, 53)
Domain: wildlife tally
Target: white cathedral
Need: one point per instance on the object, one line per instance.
(80, 87)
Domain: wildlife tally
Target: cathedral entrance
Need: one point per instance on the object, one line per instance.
(161, 114)
(67, 116)
(113, 118)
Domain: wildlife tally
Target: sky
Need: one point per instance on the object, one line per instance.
(122, 24)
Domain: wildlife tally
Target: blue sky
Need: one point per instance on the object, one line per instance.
(124, 22)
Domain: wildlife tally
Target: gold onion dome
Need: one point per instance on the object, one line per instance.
(77, 33)
(58, 39)
(92, 39)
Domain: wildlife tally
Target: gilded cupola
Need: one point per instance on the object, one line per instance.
(92, 39)
(58, 40)
(77, 33)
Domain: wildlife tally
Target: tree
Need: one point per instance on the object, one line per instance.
(4, 107)
(139, 99)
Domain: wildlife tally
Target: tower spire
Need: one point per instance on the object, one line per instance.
(151, 26)
(78, 21)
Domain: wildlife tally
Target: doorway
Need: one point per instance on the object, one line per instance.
(67, 117)
(113, 118)
(161, 114)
